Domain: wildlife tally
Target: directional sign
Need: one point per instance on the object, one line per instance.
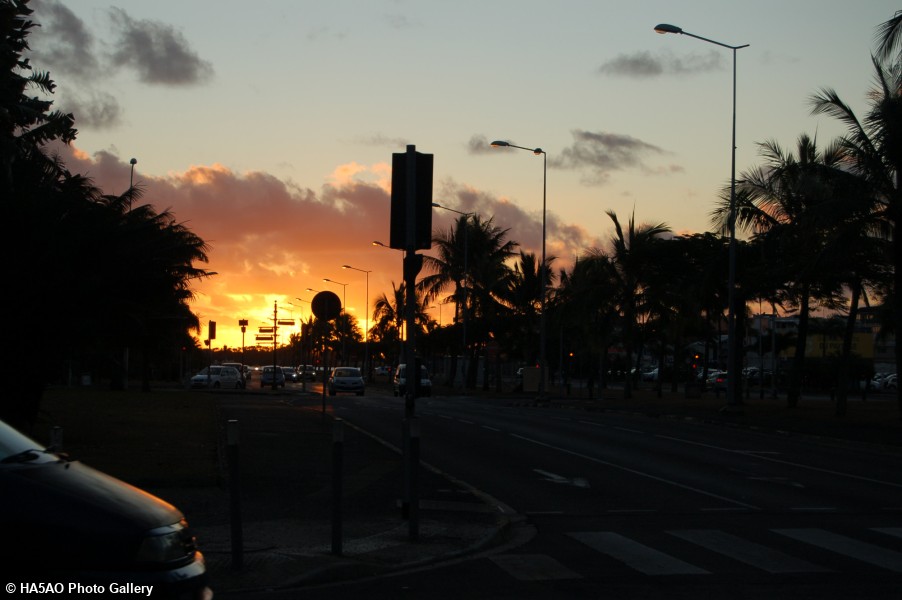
(265, 329)
(264, 338)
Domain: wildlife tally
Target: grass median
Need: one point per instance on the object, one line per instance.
(158, 438)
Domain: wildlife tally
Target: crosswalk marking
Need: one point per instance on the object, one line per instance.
(840, 544)
(533, 567)
(642, 558)
(750, 553)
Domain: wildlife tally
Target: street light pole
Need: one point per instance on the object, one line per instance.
(344, 307)
(542, 268)
(366, 333)
(732, 354)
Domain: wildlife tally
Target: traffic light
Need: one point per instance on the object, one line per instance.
(422, 201)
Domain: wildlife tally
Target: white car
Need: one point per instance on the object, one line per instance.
(217, 376)
(346, 379)
(400, 381)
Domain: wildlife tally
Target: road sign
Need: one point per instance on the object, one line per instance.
(326, 305)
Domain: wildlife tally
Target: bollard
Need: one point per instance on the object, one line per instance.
(234, 495)
(405, 468)
(337, 466)
(56, 439)
(414, 506)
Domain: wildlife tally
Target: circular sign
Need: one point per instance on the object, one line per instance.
(326, 306)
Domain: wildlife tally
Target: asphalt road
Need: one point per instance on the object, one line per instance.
(625, 506)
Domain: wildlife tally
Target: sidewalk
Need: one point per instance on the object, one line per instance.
(285, 458)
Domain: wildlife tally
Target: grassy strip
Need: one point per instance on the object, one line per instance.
(145, 438)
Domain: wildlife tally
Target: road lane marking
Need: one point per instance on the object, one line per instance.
(636, 472)
(852, 548)
(750, 553)
(489, 428)
(635, 555)
(555, 478)
(759, 455)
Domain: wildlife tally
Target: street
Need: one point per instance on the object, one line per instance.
(620, 505)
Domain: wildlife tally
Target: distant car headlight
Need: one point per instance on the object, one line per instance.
(168, 544)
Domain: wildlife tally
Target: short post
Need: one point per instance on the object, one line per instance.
(337, 467)
(56, 439)
(234, 494)
(413, 522)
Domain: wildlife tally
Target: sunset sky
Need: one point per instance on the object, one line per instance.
(268, 127)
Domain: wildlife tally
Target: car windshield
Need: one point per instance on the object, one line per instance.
(347, 372)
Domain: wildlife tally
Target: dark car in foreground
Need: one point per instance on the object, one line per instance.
(66, 523)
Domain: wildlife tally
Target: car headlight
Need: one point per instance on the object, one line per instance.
(166, 544)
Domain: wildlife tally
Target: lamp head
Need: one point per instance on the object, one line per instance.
(133, 161)
(665, 28)
(538, 151)
(500, 144)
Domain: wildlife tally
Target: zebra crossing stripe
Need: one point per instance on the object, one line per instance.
(840, 544)
(639, 557)
(750, 553)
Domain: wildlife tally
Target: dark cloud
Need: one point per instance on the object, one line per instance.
(383, 141)
(643, 64)
(62, 43)
(100, 110)
(158, 52)
(600, 154)
(65, 46)
(479, 144)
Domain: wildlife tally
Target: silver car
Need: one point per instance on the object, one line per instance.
(347, 380)
(217, 376)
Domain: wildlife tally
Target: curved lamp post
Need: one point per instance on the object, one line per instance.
(733, 366)
(544, 283)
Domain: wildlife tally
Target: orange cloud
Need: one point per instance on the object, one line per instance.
(271, 240)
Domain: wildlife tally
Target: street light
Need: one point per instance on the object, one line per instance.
(344, 288)
(366, 332)
(733, 366)
(131, 181)
(466, 216)
(543, 276)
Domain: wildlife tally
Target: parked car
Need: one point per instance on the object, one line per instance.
(400, 381)
(268, 373)
(382, 371)
(717, 380)
(889, 382)
(217, 376)
(68, 523)
(346, 380)
(650, 375)
(242, 371)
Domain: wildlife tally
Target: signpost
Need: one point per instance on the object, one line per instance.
(411, 230)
